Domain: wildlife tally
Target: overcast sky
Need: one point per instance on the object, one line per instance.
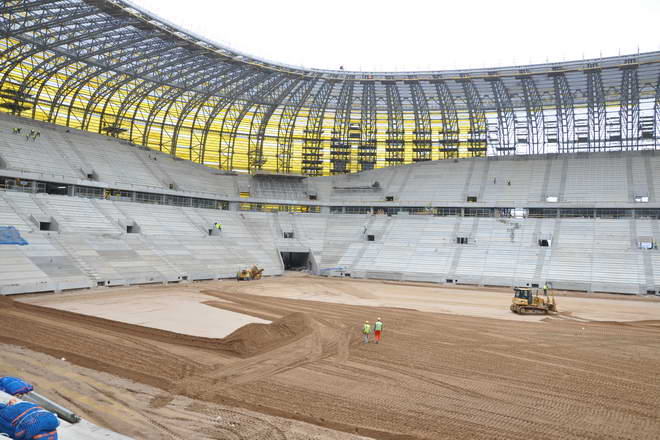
(401, 35)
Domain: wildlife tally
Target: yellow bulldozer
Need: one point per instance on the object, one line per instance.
(528, 302)
(253, 273)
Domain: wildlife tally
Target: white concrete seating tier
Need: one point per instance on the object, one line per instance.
(90, 247)
(172, 244)
(60, 153)
(38, 156)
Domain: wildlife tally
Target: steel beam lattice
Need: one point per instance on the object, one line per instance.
(477, 140)
(422, 141)
(505, 142)
(395, 148)
(449, 133)
(340, 143)
(367, 148)
(312, 153)
(112, 68)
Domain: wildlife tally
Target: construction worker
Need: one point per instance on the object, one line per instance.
(545, 289)
(218, 226)
(378, 329)
(366, 329)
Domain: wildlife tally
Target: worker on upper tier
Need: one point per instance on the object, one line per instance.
(366, 329)
(378, 330)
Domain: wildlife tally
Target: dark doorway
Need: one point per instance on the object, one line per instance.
(57, 189)
(296, 260)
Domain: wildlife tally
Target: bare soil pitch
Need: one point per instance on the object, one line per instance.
(435, 376)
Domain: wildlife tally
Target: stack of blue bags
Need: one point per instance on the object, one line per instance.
(25, 420)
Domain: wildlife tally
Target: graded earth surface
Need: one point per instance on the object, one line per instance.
(454, 363)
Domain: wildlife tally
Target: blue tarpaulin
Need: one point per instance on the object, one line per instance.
(27, 421)
(14, 385)
(10, 235)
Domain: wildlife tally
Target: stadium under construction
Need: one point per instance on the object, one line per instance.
(143, 166)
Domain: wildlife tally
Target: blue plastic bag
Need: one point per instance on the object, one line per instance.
(14, 386)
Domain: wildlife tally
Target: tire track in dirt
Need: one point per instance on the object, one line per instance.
(433, 377)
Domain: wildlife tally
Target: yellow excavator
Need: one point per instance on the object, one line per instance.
(528, 302)
(253, 273)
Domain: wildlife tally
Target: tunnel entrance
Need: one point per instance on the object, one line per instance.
(296, 260)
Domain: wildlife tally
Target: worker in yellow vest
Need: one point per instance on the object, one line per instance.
(378, 330)
(366, 329)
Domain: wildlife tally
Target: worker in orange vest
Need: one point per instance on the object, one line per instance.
(378, 330)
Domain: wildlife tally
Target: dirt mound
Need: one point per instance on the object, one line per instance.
(253, 339)
(6, 302)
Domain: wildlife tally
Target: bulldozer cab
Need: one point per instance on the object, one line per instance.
(523, 293)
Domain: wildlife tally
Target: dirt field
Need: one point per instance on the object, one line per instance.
(435, 376)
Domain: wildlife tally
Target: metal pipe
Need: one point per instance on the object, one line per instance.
(51, 406)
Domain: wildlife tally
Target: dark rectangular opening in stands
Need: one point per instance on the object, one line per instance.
(59, 189)
(296, 260)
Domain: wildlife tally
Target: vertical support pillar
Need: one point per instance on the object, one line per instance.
(422, 147)
(477, 140)
(367, 148)
(395, 147)
(629, 107)
(506, 141)
(312, 153)
(449, 134)
(596, 109)
(565, 113)
(535, 116)
(286, 125)
(340, 146)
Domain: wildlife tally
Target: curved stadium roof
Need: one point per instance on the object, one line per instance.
(109, 67)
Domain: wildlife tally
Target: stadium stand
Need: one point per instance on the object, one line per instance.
(471, 221)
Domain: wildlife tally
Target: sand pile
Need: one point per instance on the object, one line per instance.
(253, 339)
